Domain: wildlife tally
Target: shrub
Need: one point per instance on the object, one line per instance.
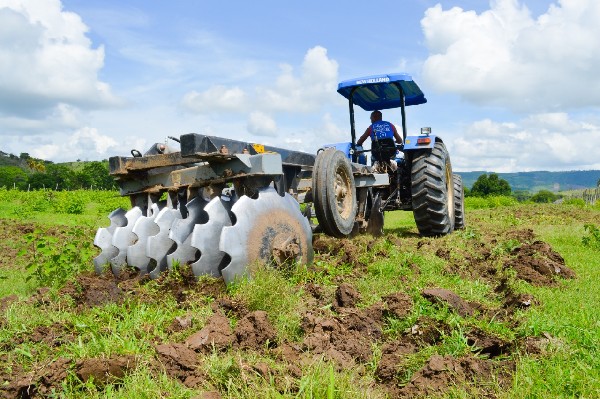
(592, 239)
(579, 202)
(489, 202)
(544, 197)
(54, 259)
(70, 202)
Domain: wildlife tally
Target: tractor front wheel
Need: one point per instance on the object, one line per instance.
(334, 193)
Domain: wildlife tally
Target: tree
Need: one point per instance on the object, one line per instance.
(490, 185)
(63, 177)
(36, 165)
(13, 176)
(95, 174)
(521, 195)
(41, 180)
(544, 197)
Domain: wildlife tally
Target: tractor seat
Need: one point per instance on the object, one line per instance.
(383, 149)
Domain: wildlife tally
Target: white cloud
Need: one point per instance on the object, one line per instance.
(59, 117)
(215, 99)
(550, 141)
(47, 60)
(86, 143)
(261, 124)
(505, 57)
(314, 86)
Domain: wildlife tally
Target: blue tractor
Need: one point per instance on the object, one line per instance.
(223, 205)
(350, 196)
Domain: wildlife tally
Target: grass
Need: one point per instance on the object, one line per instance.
(565, 317)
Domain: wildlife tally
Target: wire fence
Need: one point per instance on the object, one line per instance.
(589, 195)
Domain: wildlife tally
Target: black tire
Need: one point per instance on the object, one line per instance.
(459, 202)
(334, 193)
(432, 188)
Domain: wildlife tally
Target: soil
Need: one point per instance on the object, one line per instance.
(338, 324)
(539, 264)
(449, 298)
(12, 236)
(442, 372)
(41, 382)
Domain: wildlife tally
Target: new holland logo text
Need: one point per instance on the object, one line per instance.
(373, 80)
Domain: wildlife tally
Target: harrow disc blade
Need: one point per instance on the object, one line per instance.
(123, 237)
(205, 237)
(270, 229)
(181, 232)
(159, 245)
(103, 239)
(144, 227)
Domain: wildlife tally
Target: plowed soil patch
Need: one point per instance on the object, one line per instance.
(441, 373)
(539, 264)
(48, 377)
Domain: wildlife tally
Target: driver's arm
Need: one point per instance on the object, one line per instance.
(365, 135)
(396, 135)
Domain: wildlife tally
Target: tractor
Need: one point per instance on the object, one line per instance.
(224, 206)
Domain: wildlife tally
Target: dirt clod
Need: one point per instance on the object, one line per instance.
(449, 298)
(180, 362)
(105, 370)
(346, 296)
(392, 354)
(441, 373)
(539, 264)
(217, 333)
(487, 344)
(398, 305)
(255, 331)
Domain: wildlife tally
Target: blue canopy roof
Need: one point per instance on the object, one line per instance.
(380, 91)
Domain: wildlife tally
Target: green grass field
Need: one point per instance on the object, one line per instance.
(66, 332)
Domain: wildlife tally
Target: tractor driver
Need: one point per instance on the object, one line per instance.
(380, 129)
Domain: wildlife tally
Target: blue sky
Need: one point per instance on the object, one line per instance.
(511, 85)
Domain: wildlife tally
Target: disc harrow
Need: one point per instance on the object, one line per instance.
(206, 237)
(269, 229)
(226, 210)
(123, 237)
(181, 233)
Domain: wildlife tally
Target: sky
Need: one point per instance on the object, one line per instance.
(512, 85)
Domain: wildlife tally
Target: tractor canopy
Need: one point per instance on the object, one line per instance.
(382, 91)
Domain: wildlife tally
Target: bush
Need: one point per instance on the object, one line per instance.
(578, 202)
(71, 202)
(54, 260)
(489, 202)
(591, 240)
(544, 197)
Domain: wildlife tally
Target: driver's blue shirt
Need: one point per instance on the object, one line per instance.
(382, 129)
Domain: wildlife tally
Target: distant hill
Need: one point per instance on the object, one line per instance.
(541, 180)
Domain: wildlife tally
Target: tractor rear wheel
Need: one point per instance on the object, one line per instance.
(334, 193)
(432, 189)
(459, 202)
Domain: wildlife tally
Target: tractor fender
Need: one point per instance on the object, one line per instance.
(346, 148)
(413, 143)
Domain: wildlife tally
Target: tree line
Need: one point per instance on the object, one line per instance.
(492, 185)
(37, 174)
